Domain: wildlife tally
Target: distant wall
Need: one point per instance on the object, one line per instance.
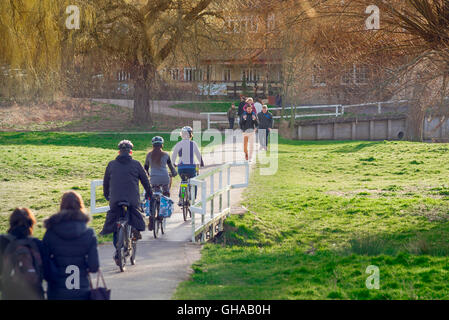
(393, 128)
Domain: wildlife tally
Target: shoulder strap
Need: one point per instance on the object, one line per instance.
(192, 160)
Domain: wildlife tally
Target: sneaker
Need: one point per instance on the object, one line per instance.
(180, 203)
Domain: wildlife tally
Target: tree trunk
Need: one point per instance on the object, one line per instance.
(415, 115)
(142, 110)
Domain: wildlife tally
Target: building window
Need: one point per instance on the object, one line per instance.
(227, 75)
(251, 75)
(242, 25)
(271, 22)
(318, 79)
(355, 74)
(193, 74)
(361, 75)
(123, 76)
(174, 74)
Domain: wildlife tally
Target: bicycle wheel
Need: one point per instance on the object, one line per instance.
(163, 221)
(184, 211)
(121, 249)
(133, 254)
(157, 223)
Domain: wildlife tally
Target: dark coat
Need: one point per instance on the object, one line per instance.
(121, 181)
(249, 123)
(136, 219)
(240, 110)
(69, 242)
(265, 120)
(20, 233)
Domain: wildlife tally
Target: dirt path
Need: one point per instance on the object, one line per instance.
(165, 262)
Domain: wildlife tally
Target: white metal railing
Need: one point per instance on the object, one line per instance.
(216, 219)
(378, 104)
(339, 111)
(210, 121)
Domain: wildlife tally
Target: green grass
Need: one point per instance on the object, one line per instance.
(332, 210)
(36, 168)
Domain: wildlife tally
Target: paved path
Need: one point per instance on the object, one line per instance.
(162, 107)
(165, 262)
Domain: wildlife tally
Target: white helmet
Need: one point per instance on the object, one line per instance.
(187, 132)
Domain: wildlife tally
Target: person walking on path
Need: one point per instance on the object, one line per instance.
(250, 102)
(258, 105)
(232, 113)
(241, 106)
(248, 124)
(265, 119)
(70, 245)
(26, 284)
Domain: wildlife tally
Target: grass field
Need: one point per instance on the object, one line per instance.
(36, 168)
(332, 210)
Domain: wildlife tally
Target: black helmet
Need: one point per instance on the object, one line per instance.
(125, 145)
(157, 141)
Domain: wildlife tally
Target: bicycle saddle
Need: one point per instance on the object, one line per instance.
(123, 203)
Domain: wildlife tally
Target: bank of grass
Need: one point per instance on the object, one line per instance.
(332, 210)
(36, 168)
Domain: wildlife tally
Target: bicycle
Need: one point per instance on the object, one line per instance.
(159, 223)
(126, 245)
(185, 195)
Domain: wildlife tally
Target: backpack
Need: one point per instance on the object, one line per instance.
(22, 271)
(166, 207)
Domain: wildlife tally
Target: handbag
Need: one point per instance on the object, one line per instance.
(99, 293)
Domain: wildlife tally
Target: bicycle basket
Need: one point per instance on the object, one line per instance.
(166, 207)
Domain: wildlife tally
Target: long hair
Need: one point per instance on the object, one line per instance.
(156, 156)
(22, 217)
(72, 200)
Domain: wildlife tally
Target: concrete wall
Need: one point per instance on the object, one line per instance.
(384, 129)
(376, 129)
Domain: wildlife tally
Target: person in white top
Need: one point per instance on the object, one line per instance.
(258, 105)
(186, 150)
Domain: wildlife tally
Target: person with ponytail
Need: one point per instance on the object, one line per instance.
(158, 161)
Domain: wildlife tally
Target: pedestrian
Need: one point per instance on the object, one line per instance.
(258, 105)
(250, 102)
(21, 259)
(265, 119)
(241, 106)
(232, 113)
(71, 250)
(279, 100)
(248, 124)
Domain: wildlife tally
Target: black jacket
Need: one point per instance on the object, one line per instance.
(69, 242)
(20, 233)
(240, 110)
(248, 123)
(121, 181)
(265, 120)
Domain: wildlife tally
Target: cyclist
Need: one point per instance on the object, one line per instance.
(158, 160)
(186, 150)
(121, 183)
